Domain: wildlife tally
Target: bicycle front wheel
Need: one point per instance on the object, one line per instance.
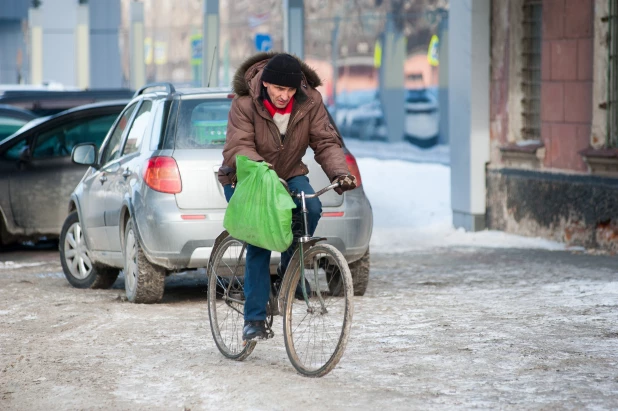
(226, 299)
(316, 334)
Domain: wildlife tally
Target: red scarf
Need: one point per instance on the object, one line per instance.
(272, 109)
(281, 116)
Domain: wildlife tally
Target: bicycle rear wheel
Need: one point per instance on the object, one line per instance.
(226, 299)
(316, 336)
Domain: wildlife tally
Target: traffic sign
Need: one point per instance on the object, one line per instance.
(432, 51)
(196, 49)
(263, 42)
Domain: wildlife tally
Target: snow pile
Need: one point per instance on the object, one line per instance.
(412, 204)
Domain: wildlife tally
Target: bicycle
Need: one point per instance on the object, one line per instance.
(315, 328)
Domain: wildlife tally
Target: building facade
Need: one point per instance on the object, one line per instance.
(553, 168)
(13, 50)
(74, 43)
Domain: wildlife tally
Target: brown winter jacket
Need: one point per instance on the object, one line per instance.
(252, 132)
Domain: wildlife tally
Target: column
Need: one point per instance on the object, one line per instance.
(468, 117)
(392, 91)
(137, 65)
(35, 22)
(210, 43)
(105, 57)
(82, 46)
(294, 27)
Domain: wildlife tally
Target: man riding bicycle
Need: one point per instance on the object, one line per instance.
(277, 113)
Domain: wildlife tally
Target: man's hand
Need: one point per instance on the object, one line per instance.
(346, 182)
(270, 166)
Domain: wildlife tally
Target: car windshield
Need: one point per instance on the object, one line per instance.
(202, 123)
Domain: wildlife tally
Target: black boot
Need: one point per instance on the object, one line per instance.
(254, 329)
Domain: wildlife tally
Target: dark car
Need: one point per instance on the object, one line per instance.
(37, 175)
(48, 102)
(12, 119)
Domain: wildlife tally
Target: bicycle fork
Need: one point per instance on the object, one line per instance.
(305, 238)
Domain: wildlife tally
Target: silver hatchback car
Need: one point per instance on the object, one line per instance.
(150, 204)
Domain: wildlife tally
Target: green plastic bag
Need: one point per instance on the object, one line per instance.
(260, 211)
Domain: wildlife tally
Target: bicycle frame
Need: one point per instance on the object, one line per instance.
(304, 239)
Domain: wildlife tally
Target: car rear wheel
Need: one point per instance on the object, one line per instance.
(79, 269)
(144, 281)
(360, 274)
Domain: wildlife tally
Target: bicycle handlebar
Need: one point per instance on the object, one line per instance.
(319, 193)
(322, 191)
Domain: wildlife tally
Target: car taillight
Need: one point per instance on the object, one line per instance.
(161, 174)
(353, 167)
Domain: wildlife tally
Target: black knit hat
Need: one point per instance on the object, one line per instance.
(283, 70)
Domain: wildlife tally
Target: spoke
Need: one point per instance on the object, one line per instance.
(71, 239)
(82, 267)
(70, 253)
(74, 264)
(87, 261)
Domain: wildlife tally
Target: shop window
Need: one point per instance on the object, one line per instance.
(612, 76)
(531, 69)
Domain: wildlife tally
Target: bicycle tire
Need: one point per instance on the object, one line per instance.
(297, 342)
(226, 266)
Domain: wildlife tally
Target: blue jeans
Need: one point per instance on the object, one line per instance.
(257, 269)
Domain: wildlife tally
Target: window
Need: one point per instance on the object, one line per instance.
(531, 70)
(95, 129)
(14, 152)
(157, 125)
(112, 147)
(51, 144)
(202, 123)
(138, 128)
(612, 76)
(59, 142)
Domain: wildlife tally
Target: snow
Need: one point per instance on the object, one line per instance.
(12, 265)
(398, 151)
(409, 190)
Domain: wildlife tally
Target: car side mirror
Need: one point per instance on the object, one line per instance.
(85, 154)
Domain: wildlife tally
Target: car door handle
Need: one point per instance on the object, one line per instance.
(103, 178)
(126, 173)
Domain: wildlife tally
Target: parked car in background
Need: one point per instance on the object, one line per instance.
(422, 124)
(44, 102)
(347, 100)
(36, 172)
(359, 114)
(151, 204)
(12, 119)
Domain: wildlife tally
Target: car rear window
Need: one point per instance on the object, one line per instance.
(202, 123)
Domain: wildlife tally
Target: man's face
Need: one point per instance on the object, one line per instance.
(279, 95)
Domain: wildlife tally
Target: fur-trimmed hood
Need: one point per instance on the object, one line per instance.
(251, 70)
